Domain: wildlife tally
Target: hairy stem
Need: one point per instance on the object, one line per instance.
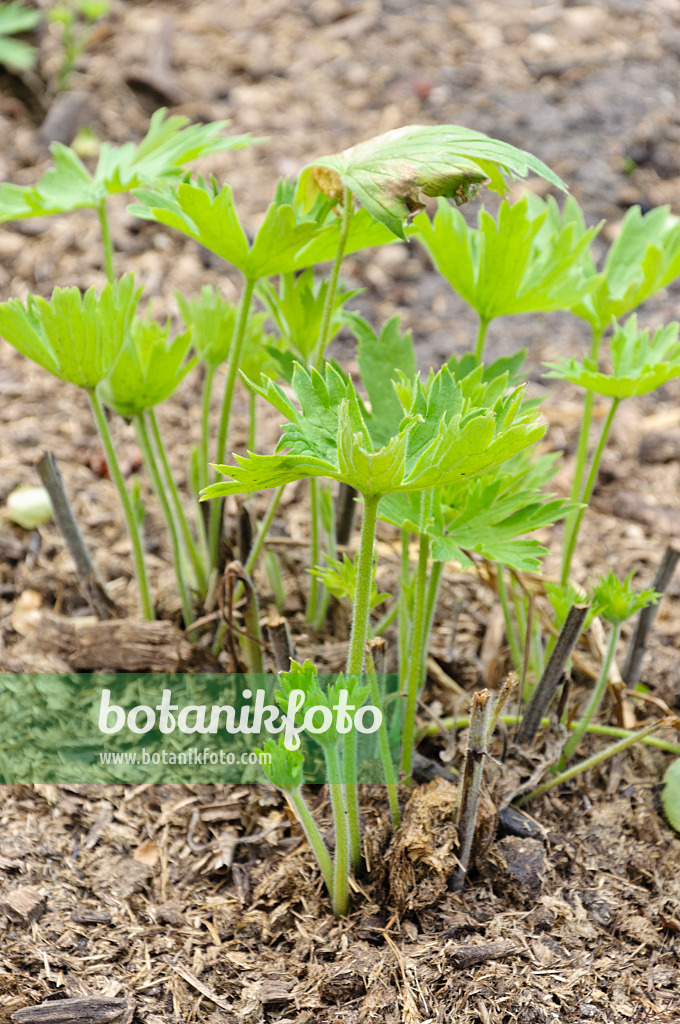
(126, 502)
(340, 888)
(205, 427)
(314, 549)
(364, 583)
(317, 844)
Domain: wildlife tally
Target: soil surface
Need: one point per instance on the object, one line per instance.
(187, 903)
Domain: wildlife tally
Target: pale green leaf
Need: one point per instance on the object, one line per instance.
(529, 259)
(76, 337)
(644, 258)
(639, 365)
(149, 368)
(389, 173)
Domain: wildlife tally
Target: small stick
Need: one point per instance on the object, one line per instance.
(244, 533)
(471, 788)
(279, 638)
(552, 674)
(91, 585)
(638, 641)
(486, 710)
(346, 507)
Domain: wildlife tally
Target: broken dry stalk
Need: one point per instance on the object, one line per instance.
(638, 641)
(486, 710)
(549, 681)
(278, 635)
(93, 588)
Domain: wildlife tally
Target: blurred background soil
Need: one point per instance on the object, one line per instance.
(203, 902)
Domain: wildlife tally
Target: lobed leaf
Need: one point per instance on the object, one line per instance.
(76, 337)
(389, 173)
(149, 368)
(644, 258)
(639, 364)
(161, 156)
(529, 259)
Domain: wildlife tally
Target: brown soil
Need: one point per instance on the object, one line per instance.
(204, 902)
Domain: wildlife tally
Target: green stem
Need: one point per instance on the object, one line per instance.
(223, 428)
(418, 642)
(364, 583)
(252, 421)
(433, 585)
(510, 632)
(340, 888)
(126, 502)
(157, 484)
(327, 315)
(590, 762)
(587, 493)
(178, 507)
(387, 619)
(595, 697)
(107, 242)
(385, 754)
(404, 584)
(357, 653)
(434, 729)
(313, 836)
(581, 459)
(481, 337)
(314, 549)
(205, 426)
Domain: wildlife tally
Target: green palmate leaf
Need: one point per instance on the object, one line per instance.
(644, 258)
(670, 794)
(488, 515)
(389, 173)
(381, 359)
(161, 156)
(76, 337)
(285, 242)
(616, 599)
(297, 306)
(563, 597)
(442, 437)
(640, 365)
(212, 319)
(14, 17)
(339, 576)
(149, 368)
(529, 259)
